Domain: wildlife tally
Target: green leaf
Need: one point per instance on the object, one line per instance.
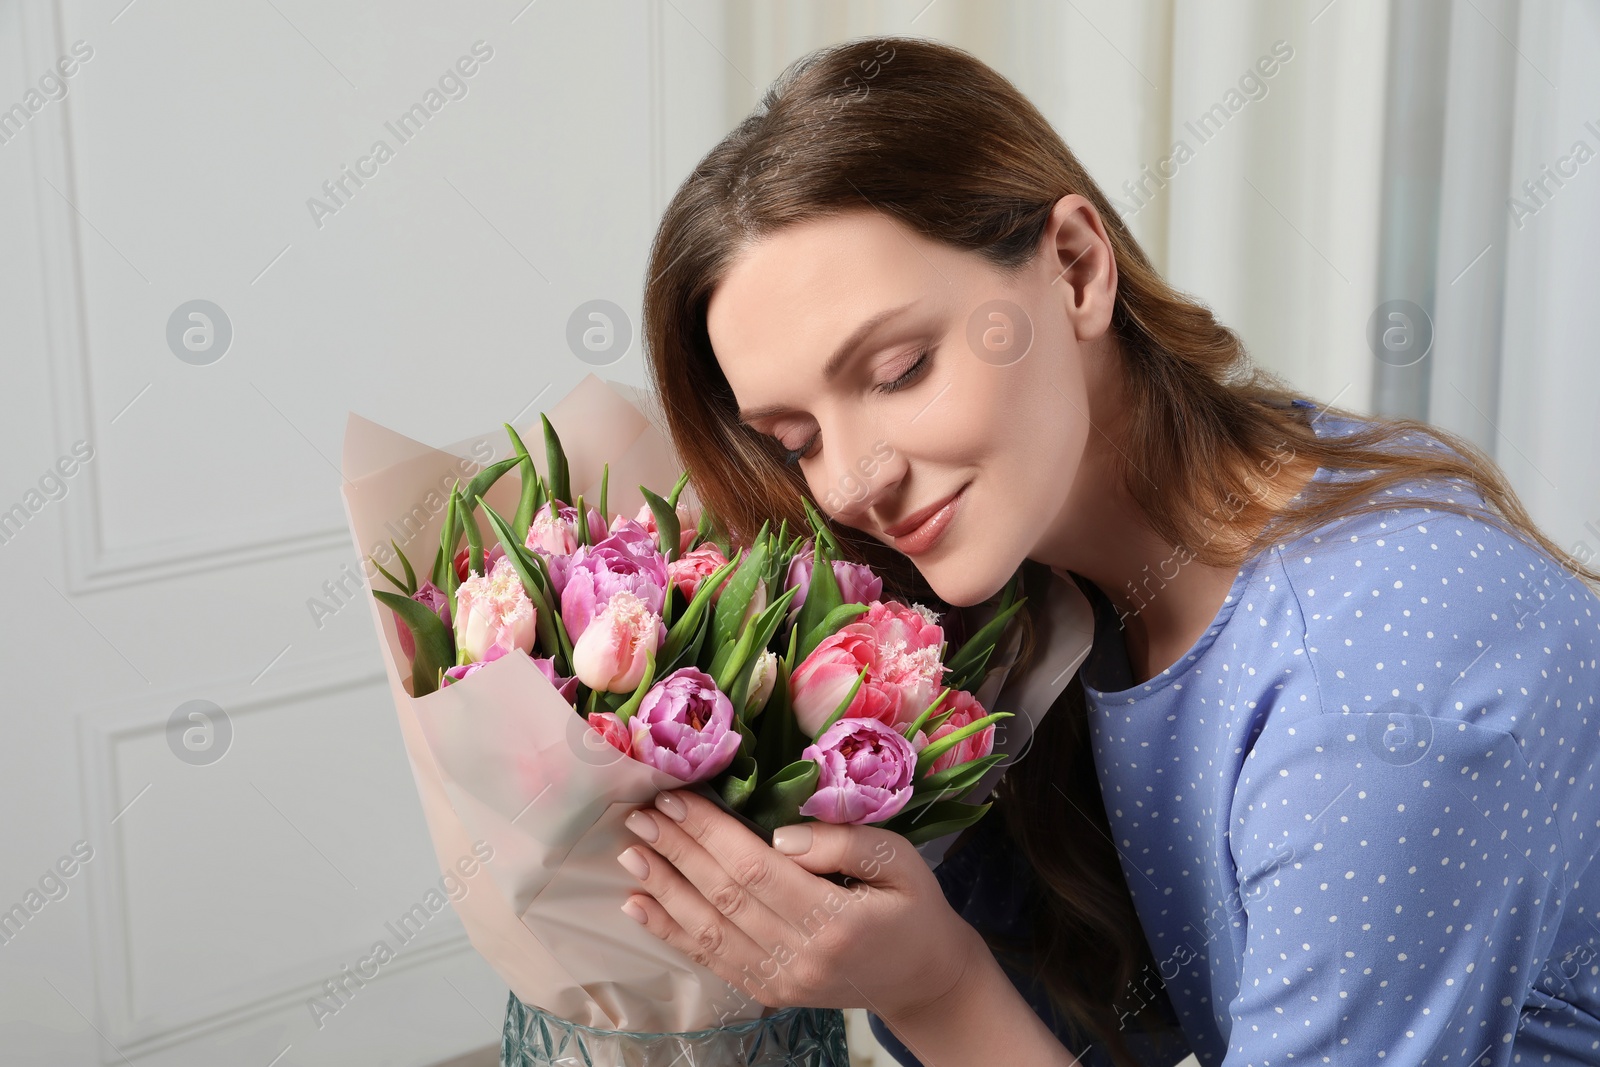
(770, 727)
(819, 526)
(694, 651)
(684, 628)
(961, 777)
(823, 596)
(474, 535)
(552, 634)
(398, 584)
(625, 712)
(667, 532)
(485, 478)
(556, 463)
(934, 749)
(448, 535)
(940, 818)
(529, 501)
(677, 488)
(844, 704)
(910, 729)
(728, 616)
(741, 669)
(411, 575)
(703, 528)
(984, 640)
(972, 676)
(583, 522)
(747, 739)
(435, 645)
(739, 782)
(835, 621)
(776, 801)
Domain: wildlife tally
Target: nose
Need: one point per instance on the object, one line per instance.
(863, 471)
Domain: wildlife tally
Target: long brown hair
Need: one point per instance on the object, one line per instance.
(941, 143)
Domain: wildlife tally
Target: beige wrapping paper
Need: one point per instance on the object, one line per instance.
(503, 759)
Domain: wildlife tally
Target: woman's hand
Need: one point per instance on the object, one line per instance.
(765, 923)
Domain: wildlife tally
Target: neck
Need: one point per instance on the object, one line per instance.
(1164, 597)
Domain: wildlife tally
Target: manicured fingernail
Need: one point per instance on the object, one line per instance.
(672, 806)
(634, 863)
(792, 840)
(631, 909)
(643, 824)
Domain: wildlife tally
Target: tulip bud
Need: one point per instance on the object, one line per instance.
(610, 654)
(761, 683)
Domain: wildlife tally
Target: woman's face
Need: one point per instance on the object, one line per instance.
(952, 379)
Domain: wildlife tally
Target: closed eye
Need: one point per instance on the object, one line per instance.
(791, 457)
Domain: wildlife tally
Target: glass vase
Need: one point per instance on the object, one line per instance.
(791, 1037)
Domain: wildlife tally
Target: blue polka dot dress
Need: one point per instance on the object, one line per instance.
(1357, 817)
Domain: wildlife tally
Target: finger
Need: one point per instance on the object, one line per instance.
(732, 868)
(677, 913)
(869, 853)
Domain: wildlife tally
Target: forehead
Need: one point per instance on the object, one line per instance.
(789, 299)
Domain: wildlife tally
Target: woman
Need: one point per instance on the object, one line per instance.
(1323, 791)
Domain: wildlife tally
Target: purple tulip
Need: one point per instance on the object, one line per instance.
(684, 726)
(431, 595)
(626, 559)
(567, 687)
(554, 535)
(857, 583)
(866, 772)
(461, 670)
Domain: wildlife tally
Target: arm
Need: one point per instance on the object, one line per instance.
(981, 1019)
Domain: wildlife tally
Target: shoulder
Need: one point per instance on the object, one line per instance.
(1442, 612)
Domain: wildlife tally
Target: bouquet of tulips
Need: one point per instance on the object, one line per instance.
(581, 643)
(776, 676)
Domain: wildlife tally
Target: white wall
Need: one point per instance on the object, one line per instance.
(179, 563)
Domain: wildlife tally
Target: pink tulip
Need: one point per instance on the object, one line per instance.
(460, 672)
(554, 535)
(684, 726)
(567, 687)
(911, 628)
(821, 681)
(964, 709)
(463, 561)
(857, 584)
(613, 729)
(493, 614)
(865, 772)
(690, 569)
(688, 522)
(610, 653)
(625, 559)
(909, 641)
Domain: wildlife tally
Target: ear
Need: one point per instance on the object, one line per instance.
(1077, 252)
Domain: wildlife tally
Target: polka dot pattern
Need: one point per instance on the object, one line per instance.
(1356, 816)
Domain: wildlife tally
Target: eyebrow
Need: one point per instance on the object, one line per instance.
(840, 357)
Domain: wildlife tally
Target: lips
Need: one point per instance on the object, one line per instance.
(917, 518)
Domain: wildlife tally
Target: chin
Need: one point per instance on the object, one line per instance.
(965, 585)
